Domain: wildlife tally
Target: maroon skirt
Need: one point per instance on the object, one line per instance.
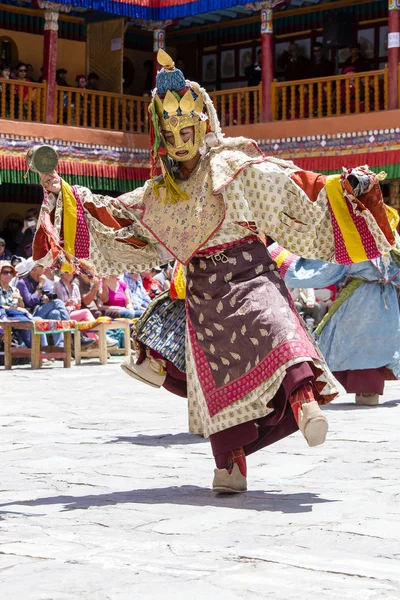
(364, 381)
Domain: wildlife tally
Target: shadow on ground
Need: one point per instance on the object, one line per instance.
(354, 406)
(186, 495)
(163, 439)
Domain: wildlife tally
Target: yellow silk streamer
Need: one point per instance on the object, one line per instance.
(393, 216)
(352, 239)
(69, 223)
(180, 285)
(281, 257)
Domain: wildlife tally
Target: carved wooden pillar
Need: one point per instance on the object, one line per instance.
(267, 56)
(51, 14)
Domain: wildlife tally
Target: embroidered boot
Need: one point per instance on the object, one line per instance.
(151, 371)
(232, 480)
(367, 399)
(311, 421)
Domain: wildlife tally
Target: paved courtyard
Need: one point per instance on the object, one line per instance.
(104, 495)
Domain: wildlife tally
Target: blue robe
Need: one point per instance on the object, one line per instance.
(364, 333)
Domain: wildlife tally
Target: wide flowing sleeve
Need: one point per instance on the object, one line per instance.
(79, 224)
(315, 216)
(300, 272)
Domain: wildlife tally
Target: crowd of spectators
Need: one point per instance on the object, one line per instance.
(22, 73)
(17, 236)
(293, 66)
(28, 291)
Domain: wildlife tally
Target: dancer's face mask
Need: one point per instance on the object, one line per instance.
(183, 142)
(176, 117)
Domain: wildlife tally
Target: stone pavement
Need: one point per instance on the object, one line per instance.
(104, 495)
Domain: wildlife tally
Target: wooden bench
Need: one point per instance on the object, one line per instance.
(35, 353)
(101, 329)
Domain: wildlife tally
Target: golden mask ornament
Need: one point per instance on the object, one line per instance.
(175, 114)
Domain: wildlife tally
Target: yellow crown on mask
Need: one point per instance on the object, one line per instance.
(187, 109)
(171, 109)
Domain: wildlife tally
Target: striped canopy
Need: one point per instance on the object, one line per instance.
(155, 10)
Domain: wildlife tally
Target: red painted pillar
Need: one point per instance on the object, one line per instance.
(393, 53)
(267, 64)
(49, 71)
(51, 14)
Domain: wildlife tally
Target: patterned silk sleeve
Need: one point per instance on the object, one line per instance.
(106, 230)
(316, 216)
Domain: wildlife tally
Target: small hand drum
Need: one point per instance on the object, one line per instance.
(42, 159)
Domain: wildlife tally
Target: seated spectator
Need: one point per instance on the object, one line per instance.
(164, 276)
(294, 65)
(348, 89)
(4, 253)
(115, 299)
(151, 285)
(24, 237)
(12, 225)
(5, 90)
(11, 303)
(306, 304)
(30, 75)
(16, 260)
(81, 82)
(51, 280)
(356, 59)
(138, 295)
(31, 285)
(253, 72)
(319, 65)
(89, 283)
(23, 96)
(93, 82)
(68, 291)
(326, 296)
(5, 72)
(61, 75)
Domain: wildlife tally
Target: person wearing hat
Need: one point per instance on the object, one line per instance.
(11, 303)
(4, 253)
(253, 374)
(31, 285)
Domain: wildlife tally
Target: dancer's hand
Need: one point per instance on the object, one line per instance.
(51, 182)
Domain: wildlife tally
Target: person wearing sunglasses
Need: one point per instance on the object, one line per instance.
(21, 77)
(11, 303)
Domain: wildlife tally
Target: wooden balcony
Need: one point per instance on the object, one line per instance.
(22, 101)
(295, 103)
(101, 110)
(354, 93)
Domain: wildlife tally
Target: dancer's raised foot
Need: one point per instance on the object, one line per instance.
(150, 371)
(313, 424)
